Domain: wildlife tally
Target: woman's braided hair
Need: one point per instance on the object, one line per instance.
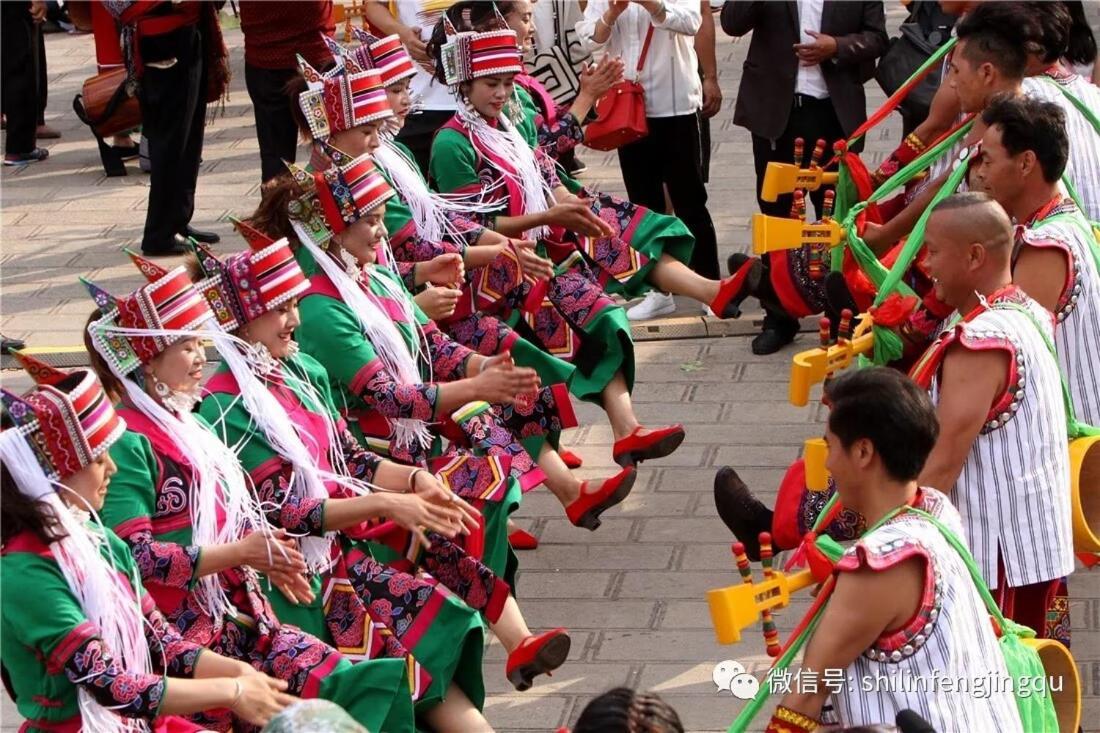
(622, 710)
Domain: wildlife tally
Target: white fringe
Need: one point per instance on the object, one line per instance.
(399, 362)
(429, 209)
(287, 439)
(217, 479)
(509, 145)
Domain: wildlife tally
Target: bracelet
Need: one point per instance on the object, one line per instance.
(605, 23)
(412, 480)
(237, 697)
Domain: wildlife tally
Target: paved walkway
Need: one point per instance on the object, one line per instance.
(633, 592)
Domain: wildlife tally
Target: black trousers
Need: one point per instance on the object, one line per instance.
(23, 101)
(810, 120)
(173, 109)
(419, 131)
(276, 130)
(671, 155)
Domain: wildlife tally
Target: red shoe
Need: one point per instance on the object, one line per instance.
(535, 655)
(659, 443)
(523, 540)
(734, 289)
(586, 510)
(571, 459)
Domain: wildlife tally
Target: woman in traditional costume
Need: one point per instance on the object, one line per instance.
(84, 646)
(639, 250)
(360, 323)
(481, 152)
(181, 503)
(274, 405)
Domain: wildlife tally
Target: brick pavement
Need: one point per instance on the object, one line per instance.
(632, 592)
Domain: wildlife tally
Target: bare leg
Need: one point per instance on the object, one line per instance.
(619, 407)
(456, 713)
(510, 628)
(672, 276)
(559, 479)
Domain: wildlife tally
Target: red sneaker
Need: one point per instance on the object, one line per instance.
(571, 459)
(521, 539)
(659, 443)
(734, 289)
(586, 510)
(535, 655)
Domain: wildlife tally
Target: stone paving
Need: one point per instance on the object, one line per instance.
(633, 593)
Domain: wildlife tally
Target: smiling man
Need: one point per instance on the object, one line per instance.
(1002, 452)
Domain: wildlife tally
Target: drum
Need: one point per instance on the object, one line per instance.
(1059, 666)
(105, 104)
(1084, 455)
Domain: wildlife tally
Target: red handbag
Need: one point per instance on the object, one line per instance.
(620, 113)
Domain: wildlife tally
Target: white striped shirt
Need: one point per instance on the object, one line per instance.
(1083, 166)
(1014, 490)
(923, 666)
(1077, 334)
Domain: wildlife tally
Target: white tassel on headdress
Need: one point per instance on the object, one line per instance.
(216, 477)
(507, 144)
(429, 209)
(110, 605)
(287, 440)
(391, 347)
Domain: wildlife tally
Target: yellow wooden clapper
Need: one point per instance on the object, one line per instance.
(773, 233)
(737, 607)
(781, 178)
(814, 365)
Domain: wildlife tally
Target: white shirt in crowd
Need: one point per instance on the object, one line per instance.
(427, 92)
(670, 76)
(810, 80)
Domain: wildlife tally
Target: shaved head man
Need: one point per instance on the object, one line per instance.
(969, 248)
(1002, 453)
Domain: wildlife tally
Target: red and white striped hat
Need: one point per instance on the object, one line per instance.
(246, 285)
(341, 98)
(169, 302)
(388, 55)
(67, 418)
(469, 55)
(349, 189)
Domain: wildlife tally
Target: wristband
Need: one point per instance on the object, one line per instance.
(412, 480)
(786, 720)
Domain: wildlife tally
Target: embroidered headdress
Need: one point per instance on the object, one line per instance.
(167, 303)
(341, 98)
(245, 285)
(468, 55)
(67, 418)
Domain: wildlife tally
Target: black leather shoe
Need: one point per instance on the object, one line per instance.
(177, 247)
(735, 260)
(204, 237)
(771, 340)
(744, 514)
(8, 345)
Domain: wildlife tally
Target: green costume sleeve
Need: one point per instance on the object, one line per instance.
(132, 498)
(454, 162)
(40, 608)
(330, 333)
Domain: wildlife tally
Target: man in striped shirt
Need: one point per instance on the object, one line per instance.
(901, 605)
(1023, 156)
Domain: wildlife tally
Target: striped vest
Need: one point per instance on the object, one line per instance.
(1014, 490)
(950, 642)
(1083, 166)
(1077, 334)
